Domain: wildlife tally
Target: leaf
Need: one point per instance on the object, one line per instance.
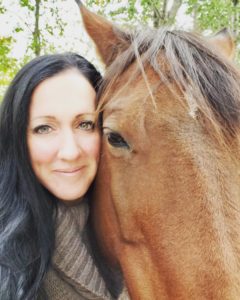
(18, 29)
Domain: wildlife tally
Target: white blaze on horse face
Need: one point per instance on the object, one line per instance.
(63, 142)
(193, 108)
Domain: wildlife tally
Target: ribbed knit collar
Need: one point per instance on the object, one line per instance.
(71, 257)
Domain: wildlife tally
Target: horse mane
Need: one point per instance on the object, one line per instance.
(210, 83)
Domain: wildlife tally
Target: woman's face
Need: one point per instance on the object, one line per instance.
(62, 140)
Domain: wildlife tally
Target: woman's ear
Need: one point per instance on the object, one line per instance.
(109, 40)
(224, 43)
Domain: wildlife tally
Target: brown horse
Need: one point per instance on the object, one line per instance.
(167, 207)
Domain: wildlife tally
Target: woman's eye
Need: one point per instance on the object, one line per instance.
(42, 129)
(86, 125)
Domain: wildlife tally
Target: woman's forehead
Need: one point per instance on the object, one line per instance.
(66, 92)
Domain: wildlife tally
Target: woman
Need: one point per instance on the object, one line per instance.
(49, 150)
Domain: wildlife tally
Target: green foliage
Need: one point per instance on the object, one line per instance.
(42, 22)
(152, 12)
(27, 4)
(33, 21)
(18, 29)
(8, 66)
(2, 8)
(215, 14)
(210, 15)
(36, 22)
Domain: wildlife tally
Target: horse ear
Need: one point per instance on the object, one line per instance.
(109, 40)
(224, 42)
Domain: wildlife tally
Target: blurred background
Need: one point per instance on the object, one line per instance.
(30, 28)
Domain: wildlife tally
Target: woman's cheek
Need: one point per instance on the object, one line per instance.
(92, 145)
(42, 150)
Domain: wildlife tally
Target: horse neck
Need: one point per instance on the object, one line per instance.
(219, 170)
(217, 223)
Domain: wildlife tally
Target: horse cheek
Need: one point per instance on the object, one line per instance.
(104, 214)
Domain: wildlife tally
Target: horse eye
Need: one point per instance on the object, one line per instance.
(116, 140)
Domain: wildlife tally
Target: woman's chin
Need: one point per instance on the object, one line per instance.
(71, 201)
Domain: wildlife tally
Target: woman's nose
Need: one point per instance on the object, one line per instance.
(69, 148)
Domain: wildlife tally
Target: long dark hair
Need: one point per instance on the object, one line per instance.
(26, 208)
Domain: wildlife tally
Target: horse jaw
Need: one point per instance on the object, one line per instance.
(108, 38)
(224, 43)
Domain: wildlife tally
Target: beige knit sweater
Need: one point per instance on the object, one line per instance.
(73, 275)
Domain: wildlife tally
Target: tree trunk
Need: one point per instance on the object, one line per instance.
(235, 20)
(156, 18)
(195, 21)
(163, 16)
(158, 13)
(36, 33)
(174, 10)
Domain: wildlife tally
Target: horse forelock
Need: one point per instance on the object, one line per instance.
(210, 83)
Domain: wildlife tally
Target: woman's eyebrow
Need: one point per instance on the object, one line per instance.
(86, 115)
(78, 116)
(43, 117)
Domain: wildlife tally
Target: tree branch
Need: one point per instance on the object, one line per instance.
(174, 9)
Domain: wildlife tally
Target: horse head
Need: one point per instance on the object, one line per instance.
(167, 207)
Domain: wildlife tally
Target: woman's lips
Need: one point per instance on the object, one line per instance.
(69, 172)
